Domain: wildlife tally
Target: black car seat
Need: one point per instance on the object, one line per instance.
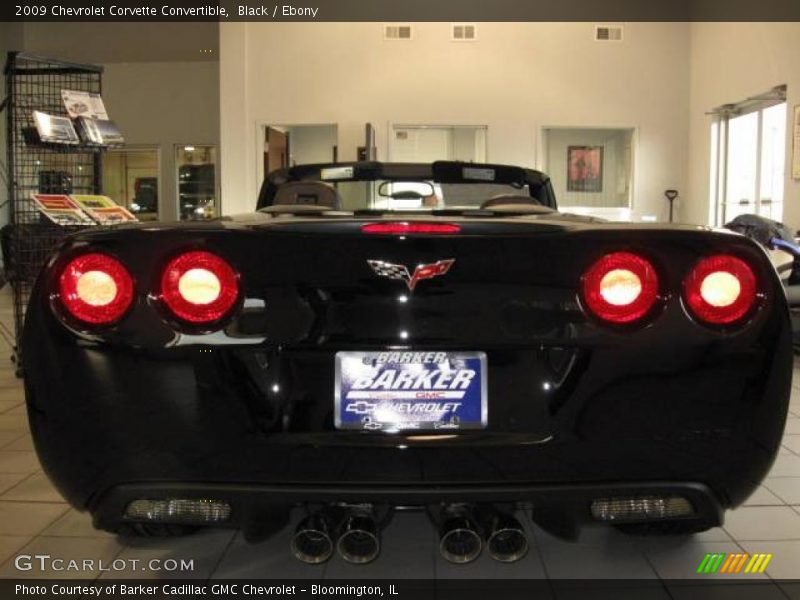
(307, 193)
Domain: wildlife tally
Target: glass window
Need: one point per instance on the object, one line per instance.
(197, 182)
(422, 194)
(742, 165)
(748, 156)
(590, 167)
(773, 160)
(130, 178)
(428, 143)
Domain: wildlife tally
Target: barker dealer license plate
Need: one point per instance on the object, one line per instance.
(393, 391)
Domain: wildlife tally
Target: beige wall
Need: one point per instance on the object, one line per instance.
(730, 62)
(166, 105)
(518, 78)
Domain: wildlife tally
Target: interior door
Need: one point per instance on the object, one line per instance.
(276, 150)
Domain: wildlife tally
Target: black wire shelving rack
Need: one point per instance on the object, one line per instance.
(35, 83)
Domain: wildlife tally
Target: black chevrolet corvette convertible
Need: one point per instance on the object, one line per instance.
(377, 337)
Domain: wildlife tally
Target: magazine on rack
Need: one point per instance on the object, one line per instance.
(55, 130)
(61, 210)
(103, 209)
(100, 132)
(91, 118)
(84, 104)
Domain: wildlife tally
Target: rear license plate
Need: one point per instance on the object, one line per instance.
(393, 391)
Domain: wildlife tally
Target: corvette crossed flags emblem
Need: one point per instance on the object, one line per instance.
(401, 272)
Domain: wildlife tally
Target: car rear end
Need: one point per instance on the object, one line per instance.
(543, 378)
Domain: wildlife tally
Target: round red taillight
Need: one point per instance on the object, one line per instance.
(95, 288)
(721, 289)
(621, 287)
(199, 287)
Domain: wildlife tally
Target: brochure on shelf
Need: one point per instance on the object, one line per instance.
(99, 132)
(61, 210)
(109, 132)
(84, 104)
(103, 209)
(88, 131)
(54, 129)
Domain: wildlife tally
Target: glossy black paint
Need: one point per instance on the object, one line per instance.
(143, 408)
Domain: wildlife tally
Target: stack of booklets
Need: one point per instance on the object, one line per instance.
(61, 210)
(81, 209)
(55, 130)
(103, 209)
(87, 124)
(90, 116)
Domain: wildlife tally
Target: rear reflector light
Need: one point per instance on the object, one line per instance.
(721, 289)
(182, 510)
(404, 228)
(621, 287)
(199, 287)
(642, 508)
(95, 288)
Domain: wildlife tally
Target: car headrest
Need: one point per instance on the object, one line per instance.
(504, 199)
(309, 193)
(524, 208)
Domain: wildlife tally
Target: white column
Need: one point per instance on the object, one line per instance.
(239, 190)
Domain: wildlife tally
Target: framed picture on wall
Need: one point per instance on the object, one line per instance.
(585, 169)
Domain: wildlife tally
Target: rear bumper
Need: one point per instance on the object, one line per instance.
(669, 403)
(102, 419)
(254, 505)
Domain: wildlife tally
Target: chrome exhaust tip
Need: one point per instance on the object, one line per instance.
(359, 542)
(507, 540)
(459, 539)
(312, 542)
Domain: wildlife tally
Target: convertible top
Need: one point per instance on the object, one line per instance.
(437, 172)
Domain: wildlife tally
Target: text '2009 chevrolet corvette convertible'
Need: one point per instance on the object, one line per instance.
(378, 336)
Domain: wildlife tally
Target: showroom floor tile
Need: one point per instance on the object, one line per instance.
(34, 518)
(267, 559)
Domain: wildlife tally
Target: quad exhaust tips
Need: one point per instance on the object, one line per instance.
(359, 542)
(464, 530)
(506, 540)
(460, 541)
(352, 532)
(312, 542)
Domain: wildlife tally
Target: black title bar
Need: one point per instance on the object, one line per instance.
(399, 10)
(388, 589)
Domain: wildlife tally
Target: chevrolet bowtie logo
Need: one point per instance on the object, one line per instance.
(401, 272)
(361, 407)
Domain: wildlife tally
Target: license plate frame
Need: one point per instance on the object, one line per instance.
(354, 411)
